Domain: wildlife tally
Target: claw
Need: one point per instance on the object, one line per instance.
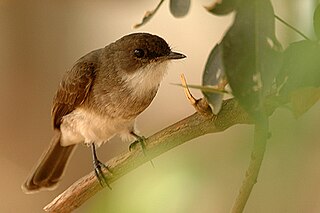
(99, 173)
(139, 140)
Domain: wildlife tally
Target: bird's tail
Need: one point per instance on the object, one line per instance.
(50, 167)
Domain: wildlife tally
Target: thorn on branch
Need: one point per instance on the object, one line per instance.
(201, 105)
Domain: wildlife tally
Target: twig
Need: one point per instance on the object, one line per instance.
(148, 15)
(259, 147)
(168, 138)
(292, 27)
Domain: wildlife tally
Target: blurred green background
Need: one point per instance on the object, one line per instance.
(40, 40)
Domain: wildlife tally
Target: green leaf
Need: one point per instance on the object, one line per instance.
(179, 8)
(222, 7)
(300, 68)
(249, 53)
(316, 21)
(214, 75)
(148, 15)
(303, 99)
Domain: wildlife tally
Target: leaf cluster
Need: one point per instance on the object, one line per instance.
(255, 64)
(251, 60)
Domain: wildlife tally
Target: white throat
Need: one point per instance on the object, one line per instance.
(147, 78)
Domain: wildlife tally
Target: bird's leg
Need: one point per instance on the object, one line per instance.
(98, 165)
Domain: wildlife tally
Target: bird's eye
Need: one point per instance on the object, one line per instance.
(139, 53)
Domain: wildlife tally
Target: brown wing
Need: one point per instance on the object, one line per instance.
(73, 90)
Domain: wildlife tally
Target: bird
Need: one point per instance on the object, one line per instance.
(100, 97)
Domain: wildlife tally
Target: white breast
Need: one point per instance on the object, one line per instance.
(83, 125)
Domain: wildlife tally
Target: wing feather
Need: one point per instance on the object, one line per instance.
(73, 90)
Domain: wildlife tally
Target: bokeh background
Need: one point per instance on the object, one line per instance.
(40, 40)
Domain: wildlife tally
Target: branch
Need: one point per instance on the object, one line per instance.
(148, 15)
(162, 141)
(261, 132)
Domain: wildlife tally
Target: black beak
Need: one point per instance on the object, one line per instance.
(175, 55)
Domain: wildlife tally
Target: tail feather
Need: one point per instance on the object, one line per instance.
(50, 168)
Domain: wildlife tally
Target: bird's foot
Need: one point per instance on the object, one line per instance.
(139, 140)
(142, 141)
(98, 166)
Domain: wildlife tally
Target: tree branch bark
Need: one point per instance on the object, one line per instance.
(162, 141)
